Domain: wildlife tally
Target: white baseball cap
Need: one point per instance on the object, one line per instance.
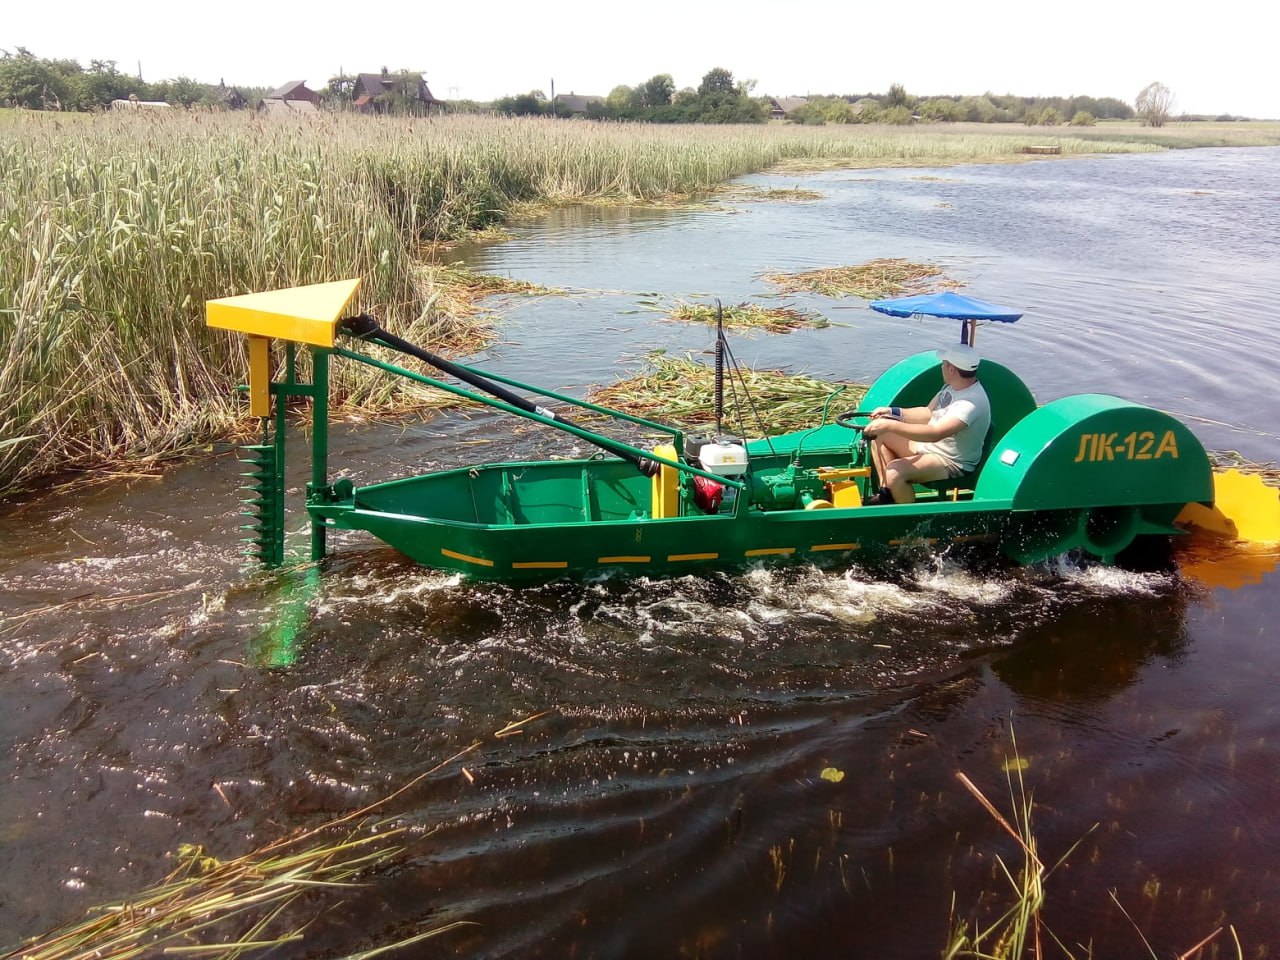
(962, 357)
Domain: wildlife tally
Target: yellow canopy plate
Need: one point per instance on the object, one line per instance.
(302, 314)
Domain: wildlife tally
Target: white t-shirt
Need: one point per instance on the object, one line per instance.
(963, 448)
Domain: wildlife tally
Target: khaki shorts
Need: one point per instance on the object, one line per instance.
(954, 468)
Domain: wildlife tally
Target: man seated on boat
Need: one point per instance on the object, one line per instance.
(921, 444)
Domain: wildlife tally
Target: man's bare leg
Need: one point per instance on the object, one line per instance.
(902, 473)
(886, 449)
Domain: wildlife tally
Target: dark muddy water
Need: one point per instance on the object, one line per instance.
(672, 801)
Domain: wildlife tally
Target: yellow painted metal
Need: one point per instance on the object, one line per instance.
(479, 561)
(302, 314)
(259, 376)
(665, 500)
(819, 505)
(1244, 508)
(828, 474)
(1209, 519)
(845, 493)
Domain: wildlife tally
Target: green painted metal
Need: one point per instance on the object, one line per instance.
(1091, 450)
(1091, 473)
(319, 441)
(597, 438)
(518, 522)
(265, 504)
(1086, 473)
(530, 521)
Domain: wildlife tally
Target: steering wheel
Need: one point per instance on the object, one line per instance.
(845, 419)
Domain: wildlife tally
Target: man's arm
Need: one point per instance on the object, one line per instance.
(925, 432)
(905, 414)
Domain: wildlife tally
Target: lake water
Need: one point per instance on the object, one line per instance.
(672, 801)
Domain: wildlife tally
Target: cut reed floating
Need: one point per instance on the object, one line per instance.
(751, 316)
(223, 909)
(751, 193)
(681, 391)
(870, 281)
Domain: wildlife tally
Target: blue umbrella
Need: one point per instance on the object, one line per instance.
(952, 306)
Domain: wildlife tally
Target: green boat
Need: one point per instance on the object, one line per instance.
(1088, 473)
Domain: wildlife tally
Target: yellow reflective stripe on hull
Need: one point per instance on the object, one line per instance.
(480, 561)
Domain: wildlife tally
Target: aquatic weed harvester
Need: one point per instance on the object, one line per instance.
(1087, 473)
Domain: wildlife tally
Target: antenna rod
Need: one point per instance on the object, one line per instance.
(719, 366)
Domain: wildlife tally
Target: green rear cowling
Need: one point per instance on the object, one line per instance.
(1091, 472)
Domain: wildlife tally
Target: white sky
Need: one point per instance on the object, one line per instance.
(1215, 57)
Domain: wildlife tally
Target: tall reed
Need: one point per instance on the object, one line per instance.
(116, 229)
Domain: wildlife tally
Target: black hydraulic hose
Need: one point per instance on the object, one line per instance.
(365, 327)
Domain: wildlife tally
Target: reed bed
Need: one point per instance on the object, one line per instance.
(750, 316)
(681, 391)
(870, 281)
(115, 229)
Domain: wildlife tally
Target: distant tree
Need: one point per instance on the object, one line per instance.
(27, 81)
(898, 114)
(341, 88)
(531, 104)
(97, 87)
(1109, 108)
(940, 108)
(1083, 118)
(185, 92)
(657, 91)
(717, 80)
(978, 110)
(897, 97)
(1154, 104)
(621, 101)
(1050, 117)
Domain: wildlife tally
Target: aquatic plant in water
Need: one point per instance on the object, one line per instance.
(870, 281)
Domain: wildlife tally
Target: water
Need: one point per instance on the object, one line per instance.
(672, 801)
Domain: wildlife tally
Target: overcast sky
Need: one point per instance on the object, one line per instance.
(1215, 57)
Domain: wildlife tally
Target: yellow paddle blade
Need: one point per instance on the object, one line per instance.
(1244, 508)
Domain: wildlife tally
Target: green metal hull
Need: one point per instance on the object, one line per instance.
(539, 546)
(1087, 473)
